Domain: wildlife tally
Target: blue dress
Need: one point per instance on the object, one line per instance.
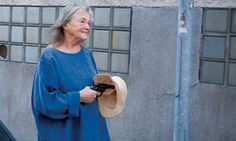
(56, 106)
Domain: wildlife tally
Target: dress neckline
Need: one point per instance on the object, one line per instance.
(75, 53)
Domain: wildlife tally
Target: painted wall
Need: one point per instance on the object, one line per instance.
(149, 110)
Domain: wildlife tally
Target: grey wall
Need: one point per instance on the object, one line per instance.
(212, 113)
(149, 110)
(147, 3)
(212, 108)
(15, 102)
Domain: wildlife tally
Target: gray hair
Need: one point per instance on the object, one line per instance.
(57, 32)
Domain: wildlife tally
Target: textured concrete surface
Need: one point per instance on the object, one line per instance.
(212, 108)
(146, 3)
(215, 3)
(149, 110)
(212, 113)
(151, 3)
(15, 92)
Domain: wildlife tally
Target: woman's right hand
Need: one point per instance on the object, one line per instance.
(88, 95)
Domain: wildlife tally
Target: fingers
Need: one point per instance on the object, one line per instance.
(95, 92)
(88, 95)
(98, 94)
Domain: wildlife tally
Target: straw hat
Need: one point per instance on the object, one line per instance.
(112, 101)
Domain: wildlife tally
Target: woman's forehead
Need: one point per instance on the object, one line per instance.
(81, 13)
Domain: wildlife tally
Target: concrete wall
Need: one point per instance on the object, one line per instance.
(146, 3)
(212, 113)
(149, 110)
(15, 101)
(212, 108)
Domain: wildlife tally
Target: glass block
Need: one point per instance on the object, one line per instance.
(100, 39)
(16, 53)
(49, 15)
(102, 16)
(213, 15)
(17, 34)
(122, 17)
(214, 47)
(45, 35)
(18, 14)
(120, 40)
(60, 10)
(31, 54)
(101, 59)
(4, 33)
(5, 14)
(32, 14)
(233, 47)
(232, 74)
(32, 34)
(233, 25)
(3, 52)
(212, 72)
(119, 63)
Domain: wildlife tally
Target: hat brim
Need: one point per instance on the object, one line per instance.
(112, 101)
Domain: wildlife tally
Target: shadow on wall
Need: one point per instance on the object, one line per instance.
(3, 51)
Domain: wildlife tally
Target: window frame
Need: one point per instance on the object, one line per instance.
(111, 28)
(228, 34)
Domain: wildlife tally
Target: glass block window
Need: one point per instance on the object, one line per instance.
(49, 15)
(218, 54)
(24, 34)
(5, 14)
(18, 14)
(16, 53)
(4, 32)
(32, 15)
(5, 135)
(213, 15)
(110, 38)
(24, 31)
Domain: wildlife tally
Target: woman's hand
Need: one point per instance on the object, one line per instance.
(88, 95)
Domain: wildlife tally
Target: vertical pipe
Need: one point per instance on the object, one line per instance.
(183, 70)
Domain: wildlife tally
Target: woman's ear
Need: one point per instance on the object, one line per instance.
(64, 26)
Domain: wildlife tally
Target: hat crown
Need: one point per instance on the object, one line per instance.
(112, 101)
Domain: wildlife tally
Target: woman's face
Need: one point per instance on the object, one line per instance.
(79, 26)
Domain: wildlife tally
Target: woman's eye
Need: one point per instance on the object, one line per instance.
(82, 21)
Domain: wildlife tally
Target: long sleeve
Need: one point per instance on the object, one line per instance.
(49, 100)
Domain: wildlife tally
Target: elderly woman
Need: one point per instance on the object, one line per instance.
(64, 106)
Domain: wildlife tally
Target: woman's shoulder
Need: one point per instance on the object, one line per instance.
(48, 52)
(86, 49)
